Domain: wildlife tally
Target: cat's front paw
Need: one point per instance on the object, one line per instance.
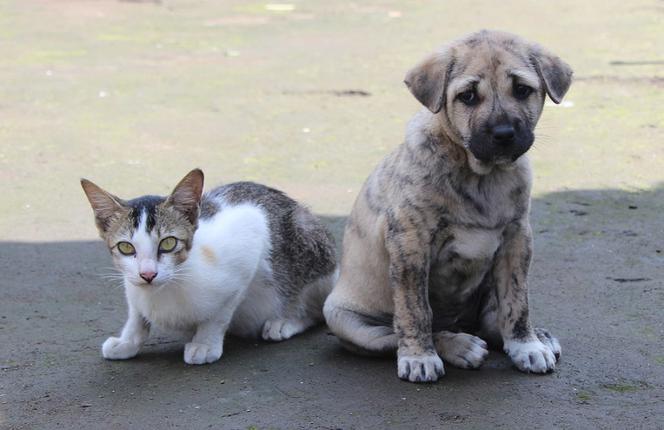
(281, 329)
(116, 348)
(201, 353)
(532, 356)
(420, 368)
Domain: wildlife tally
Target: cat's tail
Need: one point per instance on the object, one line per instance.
(314, 295)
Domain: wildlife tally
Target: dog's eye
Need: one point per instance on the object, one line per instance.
(521, 92)
(468, 97)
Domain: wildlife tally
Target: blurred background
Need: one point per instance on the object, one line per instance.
(308, 96)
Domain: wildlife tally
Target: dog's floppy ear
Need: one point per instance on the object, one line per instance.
(554, 72)
(428, 80)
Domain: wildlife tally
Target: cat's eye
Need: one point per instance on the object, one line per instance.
(469, 97)
(521, 92)
(168, 244)
(126, 248)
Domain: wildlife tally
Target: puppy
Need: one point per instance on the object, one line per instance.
(438, 244)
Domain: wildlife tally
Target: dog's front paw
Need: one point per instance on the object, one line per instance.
(201, 353)
(531, 356)
(547, 339)
(420, 368)
(115, 348)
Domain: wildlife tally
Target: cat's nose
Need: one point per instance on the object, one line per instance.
(148, 276)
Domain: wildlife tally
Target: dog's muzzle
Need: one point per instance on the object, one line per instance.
(501, 142)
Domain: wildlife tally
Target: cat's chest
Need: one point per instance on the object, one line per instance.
(178, 308)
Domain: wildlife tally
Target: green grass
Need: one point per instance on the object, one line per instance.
(583, 397)
(624, 387)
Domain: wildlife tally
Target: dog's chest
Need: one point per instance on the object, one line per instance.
(461, 260)
(474, 244)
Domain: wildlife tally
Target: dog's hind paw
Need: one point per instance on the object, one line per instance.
(420, 368)
(461, 349)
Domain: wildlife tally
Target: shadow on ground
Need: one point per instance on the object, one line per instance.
(597, 282)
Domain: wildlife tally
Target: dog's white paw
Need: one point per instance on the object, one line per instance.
(547, 339)
(282, 329)
(461, 349)
(420, 368)
(531, 356)
(114, 348)
(201, 353)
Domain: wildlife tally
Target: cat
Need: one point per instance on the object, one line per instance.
(242, 258)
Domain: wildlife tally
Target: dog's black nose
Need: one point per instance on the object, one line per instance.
(503, 134)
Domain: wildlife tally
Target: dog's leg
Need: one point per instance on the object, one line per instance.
(360, 333)
(520, 340)
(417, 358)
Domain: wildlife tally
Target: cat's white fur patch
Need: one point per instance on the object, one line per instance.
(239, 237)
(144, 243)
(227, 263)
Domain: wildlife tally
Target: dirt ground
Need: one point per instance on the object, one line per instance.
(307, 97)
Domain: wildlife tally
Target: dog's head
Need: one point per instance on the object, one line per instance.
(488, 89)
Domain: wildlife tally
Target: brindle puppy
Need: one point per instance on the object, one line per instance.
(439, 243)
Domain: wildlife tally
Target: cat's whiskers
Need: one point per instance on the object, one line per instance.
(111, 275)
(109, 272)
(118, 285)
(181, 274)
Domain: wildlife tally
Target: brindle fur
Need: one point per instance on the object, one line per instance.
(438, 243)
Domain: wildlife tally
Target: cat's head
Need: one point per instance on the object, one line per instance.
(149, 236)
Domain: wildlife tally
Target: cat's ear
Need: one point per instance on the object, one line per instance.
(104, 204)
(186, 197)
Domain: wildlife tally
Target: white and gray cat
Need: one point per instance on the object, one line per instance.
(242, 258)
